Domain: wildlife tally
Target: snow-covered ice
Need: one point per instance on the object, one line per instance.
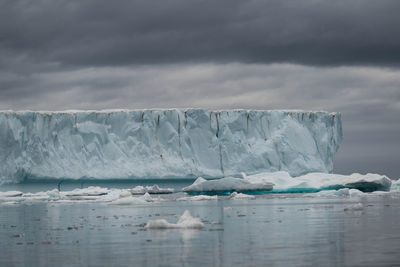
(131, 200)
(283, 182)
(186, 221)
(227, 185)
(171, 143)
(11, 194)
(89, 191)
(154, 189)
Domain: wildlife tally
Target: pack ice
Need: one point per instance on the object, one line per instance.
(282, 182)
(165, 143)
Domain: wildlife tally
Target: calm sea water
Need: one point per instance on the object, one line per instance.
(281, 230)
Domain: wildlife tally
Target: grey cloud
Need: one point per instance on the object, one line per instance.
(110, 33)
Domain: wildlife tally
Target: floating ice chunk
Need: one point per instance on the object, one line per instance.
(227, 185)
(343, 192)
(155, 189)
(197, 198)
(114, 194)
(138, 190)
(283, 182)
(395, 185)
(186, 221)
(131, 200)
(11, 194)
(47, 195)
(236, 195)
(90, 191)
(357, 206)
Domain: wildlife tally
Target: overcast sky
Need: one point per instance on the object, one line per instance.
(331, 55)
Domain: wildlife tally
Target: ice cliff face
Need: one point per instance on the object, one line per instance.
(165, 143)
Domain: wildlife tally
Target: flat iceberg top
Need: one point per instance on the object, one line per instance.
(109, 111)
(170, 143)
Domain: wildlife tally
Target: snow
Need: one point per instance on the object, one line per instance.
(344, 192)
(155, 189)
(228, 184)
(148, 144)
(283, 182)
(186, 221)
(11, 194)
(89, 191)
(130, 200)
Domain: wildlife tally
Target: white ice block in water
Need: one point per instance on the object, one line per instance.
(227, 185)
(197, 198)
(283, 182)
(148, 144)
(186, 221)
(236, 195)
(154, 189)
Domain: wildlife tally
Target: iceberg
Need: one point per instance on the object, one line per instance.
(227, 185)
(282, 182)
(236, 195)
(186, 221)
(314, 182)
(197, 198)
(155, 189)
(130, 200)
(174, 143)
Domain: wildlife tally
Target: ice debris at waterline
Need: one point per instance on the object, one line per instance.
(155, 189)
(90, 194)
(227, 185)
(198, 198)
(313, 182)
(130, 200)
(282, 182)
(186, 221)
(236, 195)
(164, 143)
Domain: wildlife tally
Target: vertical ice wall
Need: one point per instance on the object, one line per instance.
(165, 143)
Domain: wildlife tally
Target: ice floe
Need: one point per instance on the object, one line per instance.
(227, 185)
(131, 200)
(155, 189)
(236, 195)
(186, 221)
(314, 182)
(197, 198)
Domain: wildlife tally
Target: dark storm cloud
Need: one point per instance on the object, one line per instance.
(101, 32)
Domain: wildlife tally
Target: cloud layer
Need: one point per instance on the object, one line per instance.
(104, 33)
